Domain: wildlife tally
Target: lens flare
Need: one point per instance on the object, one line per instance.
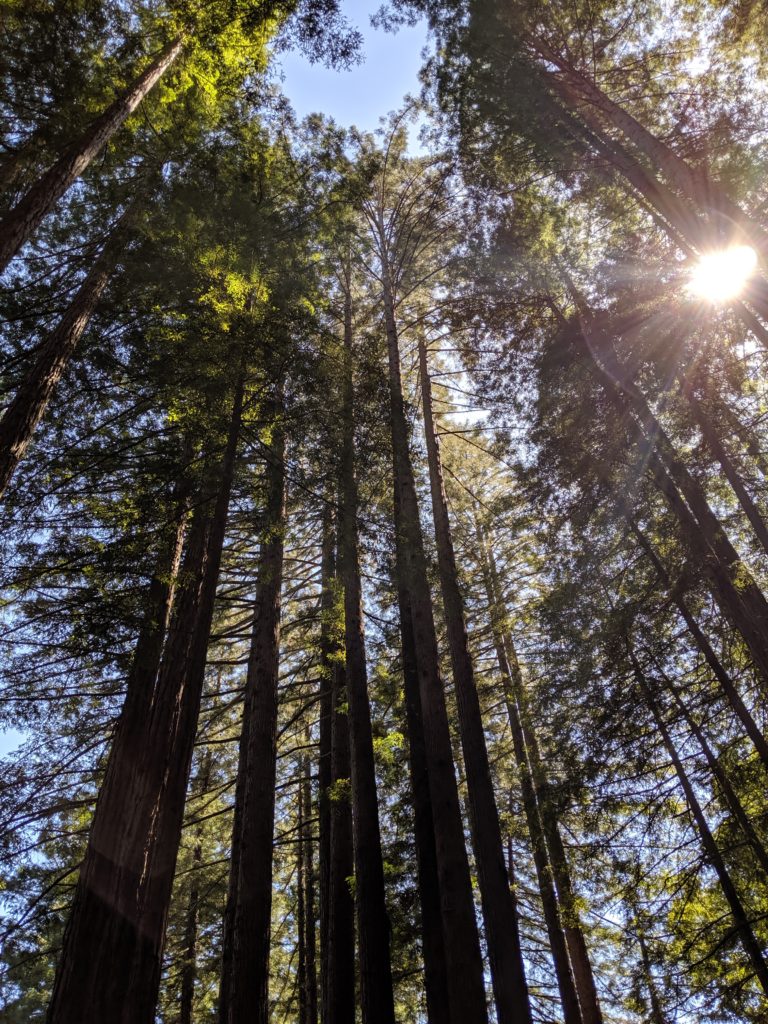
(720, 276)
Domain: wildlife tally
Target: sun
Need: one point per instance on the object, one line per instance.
(722, 274)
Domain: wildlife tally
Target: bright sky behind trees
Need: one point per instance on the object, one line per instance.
(361, 95)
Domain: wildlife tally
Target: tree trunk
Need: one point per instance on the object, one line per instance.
(433, 947)
(657, 1014)
(189, 965)
(28, 405)
(498, 901)
(24, 219)
(377, 1001)
(563, 971)
(466, 988)
(717, 448)
(740, 919)
(733, 586)
(249, 997)
(111, 961)
(341, 909)
(729, 794)
(308, 897)
(578, 953)
(324, 769)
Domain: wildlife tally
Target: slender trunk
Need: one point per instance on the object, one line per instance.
(301, 905)
(24, 219)
(110, 964)
(657, 1014)
(730, 795)
(733, 586)
(716, 446)
(727, 685)
(249, 997)
(693, 183)
(433, 947)
(27, 407)
(466, 988)
(189, 965)
(740, 919)
(578, 952)
(563, 971)
(377, 1000)
(341, 914)
(307, 861)
(324, 770)
(498, 901)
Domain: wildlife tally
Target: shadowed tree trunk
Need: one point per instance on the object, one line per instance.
(498, 902)
(466, 988)
(189, 963)
(111, 960)
(306, 899)
(578, 953)
(324, 773)
(740, 919)
(249, 997)
(377, 1001)
(27, 407)
(23, 220)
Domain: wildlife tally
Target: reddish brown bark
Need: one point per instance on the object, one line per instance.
(498, 901)
(23, 220)
(111, 960)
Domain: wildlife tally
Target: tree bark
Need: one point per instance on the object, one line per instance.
(23, 220)
(27, 407)
(111, 960)
(324, 769)
(308, 898)
(466, 988)
(544, 874)
(498, 902)
(377, 1000)
(249, 996)
(189, 965)
(740, 919)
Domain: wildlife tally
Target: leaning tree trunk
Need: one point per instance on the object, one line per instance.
(27, 407)
(741, 922)
(24, 219)
(563, 971)
(251, 941)
(111, 960)
(578, 953)
(498, 902)
(377, 1000)
(466, 987)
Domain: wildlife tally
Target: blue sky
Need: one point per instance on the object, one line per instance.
(369, 90)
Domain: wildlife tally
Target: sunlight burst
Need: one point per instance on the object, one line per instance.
(721, 275)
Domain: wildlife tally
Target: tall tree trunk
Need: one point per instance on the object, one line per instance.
(466, 988)
(23, 220)
(341, 911)
(498, 901)
(740, 919)
(729, 794)
(111, 960)
(189, 964)
(733, 586)
(732, 475)
(27, 407)
(433, 947)
(249, 996)
(727, 685)
(657, 1014)
(693, 183)
(305, 917)
(578, 953)
(557, 943)
(308, 897)
(377, 1000)
(324, 770)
